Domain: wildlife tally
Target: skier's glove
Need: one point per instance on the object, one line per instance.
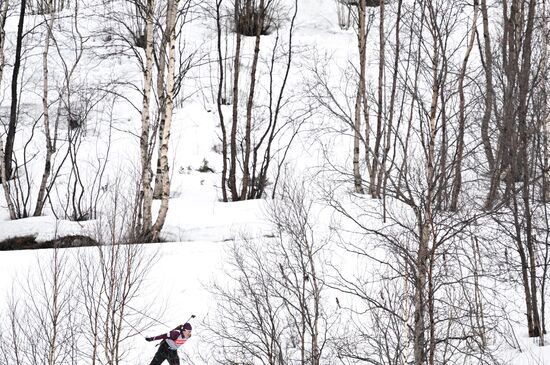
(148, 339)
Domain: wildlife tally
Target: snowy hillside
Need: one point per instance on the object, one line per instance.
(325, 204)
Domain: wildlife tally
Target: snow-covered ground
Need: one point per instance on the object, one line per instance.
(171, 293)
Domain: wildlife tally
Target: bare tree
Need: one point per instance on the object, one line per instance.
(518, 32)
(457, 181)
(146, 194)
(45, 302)
(232, 178)
(82, 304)
(66, 105)
(50, 146)
(419, 237)
(489, 87)
(160, 57)
(377, 172)
(276, 303)
(247, 146)
(110, 279)
(12, 126)
(3, 175)
(11, 346)
(170, 30)
(54, 304)
(260, 166)
(5, 185)
(544, 120)
(182, 66)
(248, 126)
(220, 100)
(3, 17)
(360, 100)
(514, 166)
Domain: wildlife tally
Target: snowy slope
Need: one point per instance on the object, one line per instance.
(199, 227)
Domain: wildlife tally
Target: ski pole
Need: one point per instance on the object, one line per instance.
(144, 314)
(190, 318)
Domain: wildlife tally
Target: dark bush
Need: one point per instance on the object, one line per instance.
(70, 241)
(18, 243)
(76, 117)
(205, 167)
(249, 16)
(140, 41)
(29, 242)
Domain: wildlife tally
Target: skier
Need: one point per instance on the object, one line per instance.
(171, 341)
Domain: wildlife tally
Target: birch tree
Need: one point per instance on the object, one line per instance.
(275, 299)
(377, 172)
(489, 87)
(232, 178)
(514, 175)
(145, 219)
(50, 147)
(170, 30)
(361, 108)
(457, 181)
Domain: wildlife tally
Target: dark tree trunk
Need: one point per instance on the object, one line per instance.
(250, 102)
(489, 91)
(10, 138)
(457, 183)
(523, 161)
(220, 100)
(233, 137)
(507, 138)
(377, 166)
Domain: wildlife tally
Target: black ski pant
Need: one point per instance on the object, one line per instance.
(165, 353)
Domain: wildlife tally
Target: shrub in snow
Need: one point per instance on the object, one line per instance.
(249, 14)
(204, 167)
(29, 242)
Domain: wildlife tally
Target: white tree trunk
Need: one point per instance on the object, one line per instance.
(161, 96)
(40, 200)
(146, 175)
(171, 36)
(361, 38)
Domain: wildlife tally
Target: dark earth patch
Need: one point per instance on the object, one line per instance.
(29, 242)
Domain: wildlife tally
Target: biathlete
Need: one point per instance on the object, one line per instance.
(171, 342)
